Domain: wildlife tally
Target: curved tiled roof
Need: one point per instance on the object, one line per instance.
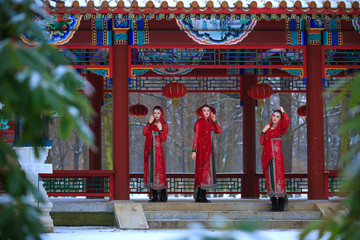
(328, 7)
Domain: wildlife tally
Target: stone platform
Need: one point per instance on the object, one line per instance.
(179, 214)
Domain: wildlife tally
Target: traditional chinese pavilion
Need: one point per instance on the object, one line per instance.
(209, 46)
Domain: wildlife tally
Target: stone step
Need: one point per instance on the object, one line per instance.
(230, 206)
(185, 224)
(83, 207)
(231, 215)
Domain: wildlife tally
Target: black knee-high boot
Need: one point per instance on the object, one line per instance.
(154, 196)
(163, 195)
(198, 195)
(281, 204)
(203, 196)
(274, 204)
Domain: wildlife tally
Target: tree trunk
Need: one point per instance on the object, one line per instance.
(182, 127)
(76, 152)
(286, 103)
(107, 121)
(344, 144)
(326, 129)
(220, 148)
(190, 138)
(259, 127)
(175, 160)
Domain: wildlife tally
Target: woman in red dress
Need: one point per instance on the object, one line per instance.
(156, 131)
(204, 153)
(272, 159)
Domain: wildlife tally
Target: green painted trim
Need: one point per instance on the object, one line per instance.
(213, 163)
(272, 174)
(151, 157)
(83, 218)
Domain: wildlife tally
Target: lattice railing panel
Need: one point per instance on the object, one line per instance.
(76, 184)
(180, 185)
(285, 83)
(90, 56)
(191, 83)
(217, 57)
(228, 185)
(336, 83)
(186, 185)
(136, 185)
(299, 84)
(334, 184)
(293, 185)
(342, 56)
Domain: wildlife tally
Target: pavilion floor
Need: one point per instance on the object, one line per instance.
(185, 213)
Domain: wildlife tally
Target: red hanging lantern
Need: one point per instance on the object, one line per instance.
(174, 91)
(260, 91)
(302, 111)
(138, 110)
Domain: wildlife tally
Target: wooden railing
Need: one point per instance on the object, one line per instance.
(100, 183)
(89, 183)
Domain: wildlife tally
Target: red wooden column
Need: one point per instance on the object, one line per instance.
(120, 122)
(249, 141)
(95, 100)
(315, 120)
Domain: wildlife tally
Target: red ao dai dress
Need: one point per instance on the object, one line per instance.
(154, 163)
(272, 160)
(204, 145)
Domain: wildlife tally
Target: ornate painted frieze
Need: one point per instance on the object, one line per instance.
(333, 71)
(356, 24)
(332, 38)
(296, 38)
(314, 38)
(298, 72)
(120, 30)
(217, 31)
(139, 34)
(172, 71)
(57, 30)
(139, 71)
(101, 27)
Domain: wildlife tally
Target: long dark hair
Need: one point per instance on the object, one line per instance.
(205, 105)
(278, 112)
(158, 108)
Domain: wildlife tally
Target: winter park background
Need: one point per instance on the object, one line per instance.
(72, 154)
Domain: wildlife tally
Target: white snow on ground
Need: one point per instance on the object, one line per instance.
(111, 233)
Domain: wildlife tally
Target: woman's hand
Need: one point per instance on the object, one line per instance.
(266, 128)
(159, 125)
(193, 156)
(213, 117)
(281, 109)
(151, 118)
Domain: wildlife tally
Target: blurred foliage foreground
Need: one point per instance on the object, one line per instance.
(346, 224)
(33, 83)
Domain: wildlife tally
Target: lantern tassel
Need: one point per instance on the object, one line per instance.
(260, 102)
(175, 102)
